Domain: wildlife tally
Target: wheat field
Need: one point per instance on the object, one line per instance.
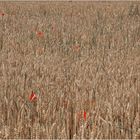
(81, 62)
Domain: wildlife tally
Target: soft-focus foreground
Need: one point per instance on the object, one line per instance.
(70, 70)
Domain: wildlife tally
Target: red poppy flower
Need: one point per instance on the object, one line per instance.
(40, 34)
(2, 14)
(33, 97)
(81, 115)
(85, 117)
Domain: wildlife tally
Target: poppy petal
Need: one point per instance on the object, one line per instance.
(33, 96)
(84, 115)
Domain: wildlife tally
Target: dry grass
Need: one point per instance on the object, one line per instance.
(88, 59)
